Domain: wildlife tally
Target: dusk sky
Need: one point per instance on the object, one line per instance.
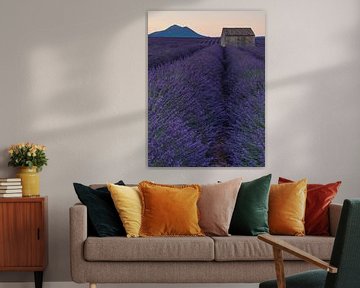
(207, 23)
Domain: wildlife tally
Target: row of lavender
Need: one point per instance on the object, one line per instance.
(183, 109)
(163, 50)
(207, 109)
(245, 84)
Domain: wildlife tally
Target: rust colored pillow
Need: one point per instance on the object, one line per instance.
(319, 197)
(169, 210)
(287, 204)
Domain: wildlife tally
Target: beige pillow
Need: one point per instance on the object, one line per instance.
(216, 206)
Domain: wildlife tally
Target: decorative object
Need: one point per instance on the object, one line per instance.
(23, 236)
(127, 201)
(103, 218)
(30, 181)
(318, 199)
(216, 206)
(250, 215)
(206, 89)
(30, 158)
(287, 204)
(169, 210)
(10, 187)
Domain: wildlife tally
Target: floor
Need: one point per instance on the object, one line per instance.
(74, 285)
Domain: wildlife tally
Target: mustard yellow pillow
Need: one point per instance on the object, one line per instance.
(127, 201)
(169, 210)
(287, 204)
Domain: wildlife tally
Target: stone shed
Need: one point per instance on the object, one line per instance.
(237, 37)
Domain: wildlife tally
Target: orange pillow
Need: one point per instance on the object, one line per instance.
(287, 204)
(169, 210)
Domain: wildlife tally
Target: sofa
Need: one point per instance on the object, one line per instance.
(233, 259)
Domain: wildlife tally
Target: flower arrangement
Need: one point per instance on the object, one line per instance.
(27, 155)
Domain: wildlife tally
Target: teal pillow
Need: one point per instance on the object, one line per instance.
(250, 216)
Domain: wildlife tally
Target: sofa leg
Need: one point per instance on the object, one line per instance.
(92, 285)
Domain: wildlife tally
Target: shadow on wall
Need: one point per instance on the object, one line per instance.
(73, 75)
(326, 137)
(65, 69)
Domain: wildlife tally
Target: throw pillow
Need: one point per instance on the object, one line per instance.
(127, 201)
(250, 215)
(216, 206)
(319, 197)
(102, 215)
(287, 204)
(169, 210)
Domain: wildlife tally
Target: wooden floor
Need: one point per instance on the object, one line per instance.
(74, 285)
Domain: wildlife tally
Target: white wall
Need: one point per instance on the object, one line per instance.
(73, 77)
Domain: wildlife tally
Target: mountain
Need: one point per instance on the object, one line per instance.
(177, 31)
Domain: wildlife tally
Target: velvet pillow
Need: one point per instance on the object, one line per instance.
(250, 215)
(216, 206)
(102, 214)
(169, 210)
(287, 204)
(127, 201)
(318, 200)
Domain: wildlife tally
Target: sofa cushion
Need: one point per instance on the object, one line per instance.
(250, 215)
(127, 201)
(243, 248)
(216, 206)
(169, 210)
(318, 199)
(102, 216)
(287, 204)
(149, 249)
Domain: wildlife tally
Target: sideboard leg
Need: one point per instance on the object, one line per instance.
(38, 279)
(92, 285)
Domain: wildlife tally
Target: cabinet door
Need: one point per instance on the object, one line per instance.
(21, 234)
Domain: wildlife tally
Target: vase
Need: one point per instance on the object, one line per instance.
(30, 181)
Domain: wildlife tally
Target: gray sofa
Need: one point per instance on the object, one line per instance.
(234, 259)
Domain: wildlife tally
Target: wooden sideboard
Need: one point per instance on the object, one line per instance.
(23, 235)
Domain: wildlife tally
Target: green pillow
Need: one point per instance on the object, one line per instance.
(250, 215)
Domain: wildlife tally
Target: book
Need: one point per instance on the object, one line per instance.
(10, 180)
(10, 187)
(10, 195)
(10, 191)
(10, 183)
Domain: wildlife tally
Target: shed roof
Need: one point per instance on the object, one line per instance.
(238, 32)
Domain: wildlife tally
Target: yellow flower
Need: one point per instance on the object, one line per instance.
(11, 151)
(28, 154)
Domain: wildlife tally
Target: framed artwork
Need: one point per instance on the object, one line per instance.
(206, 88)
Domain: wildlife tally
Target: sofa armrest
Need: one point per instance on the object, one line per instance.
(334, 216)
(78, 235)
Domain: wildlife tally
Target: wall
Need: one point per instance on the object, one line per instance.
(73, 77)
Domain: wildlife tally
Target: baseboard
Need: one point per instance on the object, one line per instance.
(74, 285)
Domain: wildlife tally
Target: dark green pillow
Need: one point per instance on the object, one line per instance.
(102, 215)
(250, 215)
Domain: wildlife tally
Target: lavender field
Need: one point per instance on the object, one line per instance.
(206, 103)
